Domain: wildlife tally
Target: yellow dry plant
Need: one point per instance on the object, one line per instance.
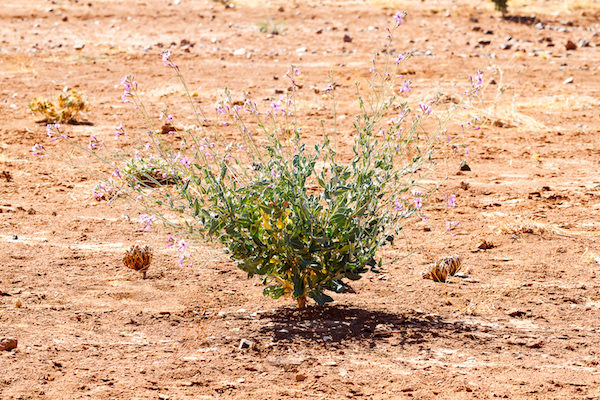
(67, 107)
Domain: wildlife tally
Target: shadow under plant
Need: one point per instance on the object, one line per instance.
(333, 326)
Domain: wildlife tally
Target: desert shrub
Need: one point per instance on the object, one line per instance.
(66, 108)
(501, 5)
(271, 26)
(226, 3)
(301, 216)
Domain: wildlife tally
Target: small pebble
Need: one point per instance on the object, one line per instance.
(246, 344)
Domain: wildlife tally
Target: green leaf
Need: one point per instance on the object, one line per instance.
(338, 286)
(298, 285)
(196, 207)
(274, 292)
(320, 298)
(340, 190)
(352, 276)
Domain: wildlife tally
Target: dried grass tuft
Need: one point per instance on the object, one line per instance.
(518, 225)
(441, 269)
(138, 258)
(508, 118)
(67, 107)
(589, 257)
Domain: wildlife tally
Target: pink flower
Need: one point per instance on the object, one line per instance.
(185, 162)
(37, 148)
(477, 80)
(425, 108)
(398, 17)
(398, 205)
(119, 131)
(418, 203)
(147, 220)
(451, 200)
(405, 87)
(94, 143)
(166, 57)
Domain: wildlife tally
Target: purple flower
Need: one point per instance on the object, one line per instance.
(147, 220)
(94, 143)
(398, 17)
(398, 205)
(450, 225)
(425, 108)
(451, 200)
(275, 174)
(125, 81)
(98, 192)
(418, 203)
(405, 87)
(276, 107)
(185, 162)
(119, 131)
(477, 80)
(166, 57)
(37, 149)
(400, 58)
(182, 245)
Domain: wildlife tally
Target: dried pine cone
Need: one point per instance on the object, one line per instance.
(138, 258)
(439, 270)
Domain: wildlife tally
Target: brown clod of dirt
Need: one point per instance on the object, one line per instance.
(7, 344)
(485, 245)
(570, 45)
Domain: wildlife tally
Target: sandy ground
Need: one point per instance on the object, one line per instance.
(524, 323)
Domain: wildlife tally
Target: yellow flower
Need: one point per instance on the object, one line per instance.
(265, 223)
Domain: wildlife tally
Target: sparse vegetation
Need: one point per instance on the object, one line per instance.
(271, 26)
(67, 107)
(138, 258)
(298, 216)
(501, 5)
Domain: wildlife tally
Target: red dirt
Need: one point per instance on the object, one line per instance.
(523, 325)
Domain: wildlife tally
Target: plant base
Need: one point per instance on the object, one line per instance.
(301, 301)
